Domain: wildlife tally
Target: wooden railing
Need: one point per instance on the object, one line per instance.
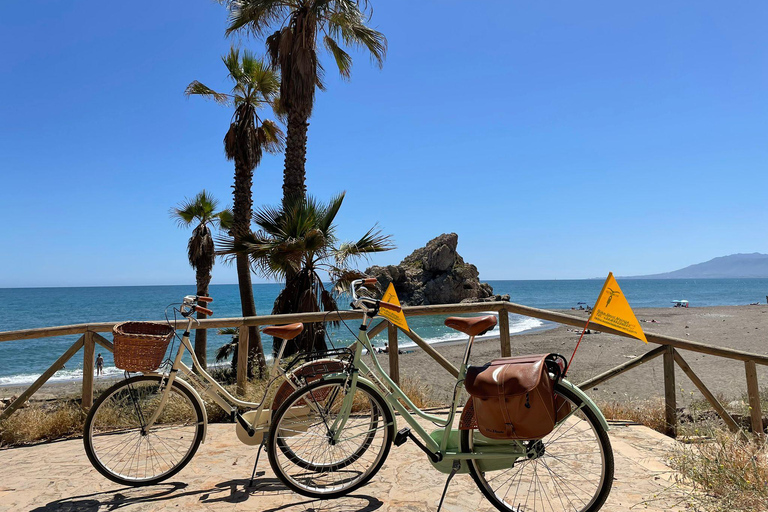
(668, 348)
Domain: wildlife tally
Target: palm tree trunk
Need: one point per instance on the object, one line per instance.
(294, 175)
(203, 276)
(241, 225)
(255, 348)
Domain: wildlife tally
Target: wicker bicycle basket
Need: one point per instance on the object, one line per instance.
(140, 346)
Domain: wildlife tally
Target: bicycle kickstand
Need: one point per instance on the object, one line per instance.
(455, 469)
(255, 464)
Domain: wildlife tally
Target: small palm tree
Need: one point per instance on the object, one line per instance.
(229, 349)
(255, 85)
(200, 211)
(295, 242)
(300, 28)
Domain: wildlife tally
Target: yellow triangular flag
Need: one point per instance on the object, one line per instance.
(397, 318)
(612, 310)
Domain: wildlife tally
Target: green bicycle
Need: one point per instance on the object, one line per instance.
(331, 436)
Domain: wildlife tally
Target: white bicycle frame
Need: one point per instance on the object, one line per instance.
(213, 390)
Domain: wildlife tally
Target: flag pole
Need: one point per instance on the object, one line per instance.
(577, 345)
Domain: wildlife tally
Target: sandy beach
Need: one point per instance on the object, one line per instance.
(740, 327)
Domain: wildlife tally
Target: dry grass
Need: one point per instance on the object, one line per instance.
(419, 392)
(649, 412)
(42, 422)
(730, 472)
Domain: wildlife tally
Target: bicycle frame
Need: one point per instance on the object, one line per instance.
(213, 390)
(438, 444)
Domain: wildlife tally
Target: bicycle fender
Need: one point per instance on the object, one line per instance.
(194, 392)
(370, 383)
(588, 401)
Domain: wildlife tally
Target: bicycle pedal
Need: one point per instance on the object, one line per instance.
(401, 436)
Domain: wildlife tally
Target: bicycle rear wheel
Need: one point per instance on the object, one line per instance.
(301, 447)
(119, 445)
(572, 469)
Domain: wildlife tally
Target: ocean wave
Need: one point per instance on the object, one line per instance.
(515, 327)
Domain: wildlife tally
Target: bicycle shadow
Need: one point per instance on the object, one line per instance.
(231, 492)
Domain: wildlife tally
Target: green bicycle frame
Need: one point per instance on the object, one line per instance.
(441, 443)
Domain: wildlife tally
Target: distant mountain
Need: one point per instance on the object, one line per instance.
(735, 266)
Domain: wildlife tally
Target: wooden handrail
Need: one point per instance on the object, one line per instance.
(668, 344)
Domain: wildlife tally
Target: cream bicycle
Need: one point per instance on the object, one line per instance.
(146, 428)
(570, 469)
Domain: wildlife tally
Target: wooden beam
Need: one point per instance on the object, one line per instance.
(88, 366)
(377, 329)
(670, 394)
(104, 342)
(58, 365)
(438, 309)
(753, 392)
(242, 360)
(729, 421)
(693, 346)
(394, 354)
(632, 363)
(506, 345)
(437, 356)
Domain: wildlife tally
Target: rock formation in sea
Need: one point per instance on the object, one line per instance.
(435, 274)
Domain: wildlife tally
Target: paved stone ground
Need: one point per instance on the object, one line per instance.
(58, 477)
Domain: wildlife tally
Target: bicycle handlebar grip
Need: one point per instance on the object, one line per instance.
(204, 299)
(370, 280)
(205, 311)
(389, 305)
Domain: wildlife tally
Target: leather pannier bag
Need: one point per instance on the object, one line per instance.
(514, 398)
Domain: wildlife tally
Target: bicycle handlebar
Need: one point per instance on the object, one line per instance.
(201, 309)
(390, 306)
(204, 299)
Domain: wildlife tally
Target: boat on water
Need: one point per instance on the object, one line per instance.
(680, 303)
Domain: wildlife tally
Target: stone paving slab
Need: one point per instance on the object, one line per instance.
(58, 477)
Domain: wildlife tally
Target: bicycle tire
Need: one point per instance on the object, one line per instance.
(120, 411)
(318, 482)
(533, 480)
(334, 465)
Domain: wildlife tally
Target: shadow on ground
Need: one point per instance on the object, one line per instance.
(232, 491)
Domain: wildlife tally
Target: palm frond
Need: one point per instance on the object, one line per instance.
(198, 89)
(343, 59)
(271, 137)
(201, 208)
(373, 241)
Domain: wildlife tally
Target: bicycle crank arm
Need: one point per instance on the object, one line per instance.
(244, 423)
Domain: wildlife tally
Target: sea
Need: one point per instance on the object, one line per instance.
(22, 361)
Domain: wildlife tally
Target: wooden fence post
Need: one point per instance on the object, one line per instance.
(242, 359)
(754, 398)
(88, 363)
(394, 353)
(506, 346)
(670, 397)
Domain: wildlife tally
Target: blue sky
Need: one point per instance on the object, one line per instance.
(558, 139)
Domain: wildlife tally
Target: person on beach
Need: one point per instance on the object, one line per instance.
(99, 365)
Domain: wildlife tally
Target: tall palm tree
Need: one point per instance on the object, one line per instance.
(295, 242)
(300, 27)
(200, 210)
(255, 85)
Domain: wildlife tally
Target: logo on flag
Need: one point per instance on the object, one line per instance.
(612, 310)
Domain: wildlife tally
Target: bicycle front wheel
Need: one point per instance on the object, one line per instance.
(571, 469)
(315, 452)
(122, 448)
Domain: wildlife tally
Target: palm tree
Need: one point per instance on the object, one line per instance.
(200, 210)
(254, 86)
(295, 242)
(229, 349)
(300, 26)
